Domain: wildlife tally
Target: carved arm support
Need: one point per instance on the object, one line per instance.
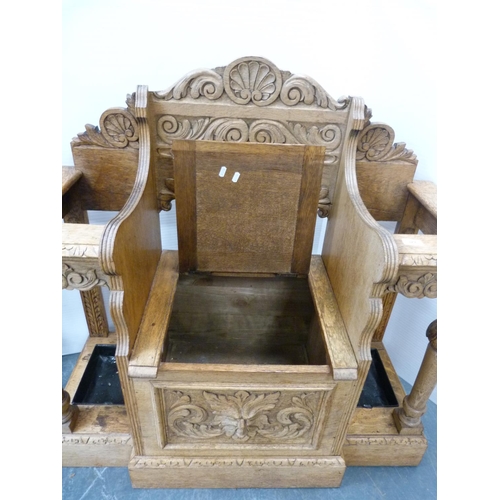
(361, 259)
(131, 245)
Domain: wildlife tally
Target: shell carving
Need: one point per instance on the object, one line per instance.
(376, 143)
(252, 80)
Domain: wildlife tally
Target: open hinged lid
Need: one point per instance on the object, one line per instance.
(246, 207)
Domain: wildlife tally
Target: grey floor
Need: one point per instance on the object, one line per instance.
(360, 483)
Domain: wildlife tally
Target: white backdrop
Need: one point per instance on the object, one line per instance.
(383, 51)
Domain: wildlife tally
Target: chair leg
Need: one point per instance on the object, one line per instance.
(408, 417)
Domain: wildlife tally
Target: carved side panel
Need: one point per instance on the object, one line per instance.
(199, 417)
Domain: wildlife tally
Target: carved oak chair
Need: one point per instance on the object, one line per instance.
(244, 361)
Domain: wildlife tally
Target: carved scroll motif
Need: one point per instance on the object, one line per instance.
(241, 416)
(171, 127)
(118, 130)
(252, 80)
(301, 88)
(206, 82)
(424, 286)
(73, 280)
(376, 143)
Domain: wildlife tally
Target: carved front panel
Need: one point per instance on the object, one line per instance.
(229, 417)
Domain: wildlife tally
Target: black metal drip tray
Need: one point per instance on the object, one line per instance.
(100, 384)
(377, 391)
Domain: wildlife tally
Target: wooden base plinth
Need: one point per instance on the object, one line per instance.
(101, 438)
(234, 472)
(373, 438)
(101, 434)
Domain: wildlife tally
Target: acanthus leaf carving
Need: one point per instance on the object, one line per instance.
(171, 127)
(423, 286)
(376, 143)
(241, 416)
(73, 280)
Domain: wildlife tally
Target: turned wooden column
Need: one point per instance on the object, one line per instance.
(408, 418)
(69, 413)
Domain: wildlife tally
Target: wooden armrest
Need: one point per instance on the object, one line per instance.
(426, 193)
(417, 251)
(69, 176)
(146, 355)
(417, 272)
(80, 257)
(81, 240)
(338, 346)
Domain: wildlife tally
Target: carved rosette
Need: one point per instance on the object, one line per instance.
(242, 416)
(411, 287)
(376, 143)
(118, 129)
(74, 280)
